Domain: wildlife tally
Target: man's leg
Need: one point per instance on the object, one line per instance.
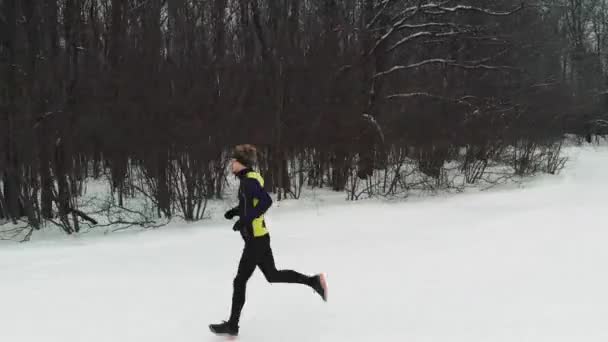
(268, 267)
(246, 267)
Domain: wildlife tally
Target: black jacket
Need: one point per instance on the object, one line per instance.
(249, 188)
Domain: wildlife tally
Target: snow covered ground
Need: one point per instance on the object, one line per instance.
(512, 264)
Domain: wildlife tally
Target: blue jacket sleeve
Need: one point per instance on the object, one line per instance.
(253, 189)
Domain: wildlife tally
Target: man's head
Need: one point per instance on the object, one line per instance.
(243, 156)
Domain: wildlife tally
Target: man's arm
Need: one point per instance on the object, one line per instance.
(253, 189)
(232, 213)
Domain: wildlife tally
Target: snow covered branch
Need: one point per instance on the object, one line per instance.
(544, 84)
(385, 36)
(601, 123)
(422, 34)
(412, 66)
(416, 9)
(440, 8)
(446, 62)
(399, 22)
(46, 116)
(480, 10)
(429, 95)
(376, 125)
(428, 25)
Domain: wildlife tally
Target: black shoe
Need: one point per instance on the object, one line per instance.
(224, 328)
(320, 285)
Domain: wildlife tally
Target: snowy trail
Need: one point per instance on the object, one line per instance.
(511, 265)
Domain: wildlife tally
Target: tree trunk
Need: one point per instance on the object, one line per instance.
(11, 176)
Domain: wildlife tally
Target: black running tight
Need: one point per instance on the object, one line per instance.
(258, 253)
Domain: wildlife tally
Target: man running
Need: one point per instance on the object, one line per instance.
(254, 201)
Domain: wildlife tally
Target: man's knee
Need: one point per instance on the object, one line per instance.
(239, 282)
(272, 275)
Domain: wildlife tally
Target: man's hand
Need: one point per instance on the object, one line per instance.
(244, 229)
(237, 226)
(230, 214)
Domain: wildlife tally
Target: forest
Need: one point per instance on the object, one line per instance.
(367, 97)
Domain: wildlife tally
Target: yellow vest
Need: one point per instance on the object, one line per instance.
(259, 226)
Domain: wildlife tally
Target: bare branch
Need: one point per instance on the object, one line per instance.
(487, 59)
(28, 235)
(12, 234)
(379, 13)
(131, 224)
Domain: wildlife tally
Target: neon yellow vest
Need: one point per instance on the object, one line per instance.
(259, 226)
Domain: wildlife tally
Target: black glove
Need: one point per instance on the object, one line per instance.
(245, 231)
(230, 214)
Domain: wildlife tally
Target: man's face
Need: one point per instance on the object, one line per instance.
(235, 166)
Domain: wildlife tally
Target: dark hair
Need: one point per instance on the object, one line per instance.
(245, 154)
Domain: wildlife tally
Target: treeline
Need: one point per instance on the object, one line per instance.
(152, 94)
